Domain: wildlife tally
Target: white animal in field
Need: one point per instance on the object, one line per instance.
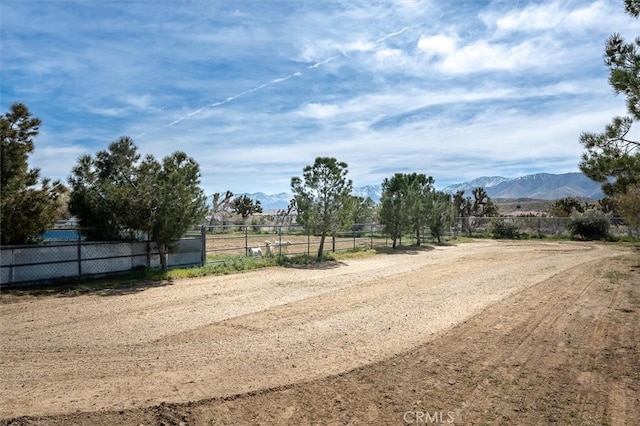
(255, 252)
(284, 244)
(267, 245)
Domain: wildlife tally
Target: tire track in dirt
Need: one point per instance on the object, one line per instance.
(347, 319)
(442, 376)
(530, 345)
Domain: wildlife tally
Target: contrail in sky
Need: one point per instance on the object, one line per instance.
(392, 35)
(262, 86)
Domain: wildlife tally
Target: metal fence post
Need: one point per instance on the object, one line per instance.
(353, 232)
(246, 241)
(539, 229)
(79, 254)
(371, 234)
(203, 236)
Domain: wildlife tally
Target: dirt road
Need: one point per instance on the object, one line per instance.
(488, 332)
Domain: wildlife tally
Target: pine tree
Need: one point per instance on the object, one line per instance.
(26, 209)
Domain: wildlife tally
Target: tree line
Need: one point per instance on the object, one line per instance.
(117, 194)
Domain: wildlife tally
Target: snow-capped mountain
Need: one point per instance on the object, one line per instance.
(270, 201)
(484, 182)
(281, 200)
(542, 186)
(372, 191)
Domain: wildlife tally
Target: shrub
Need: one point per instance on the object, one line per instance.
(502, 229)
(590, 225)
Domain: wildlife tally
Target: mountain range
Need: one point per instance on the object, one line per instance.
(541, 186)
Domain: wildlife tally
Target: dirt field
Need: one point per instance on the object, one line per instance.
(490, 332)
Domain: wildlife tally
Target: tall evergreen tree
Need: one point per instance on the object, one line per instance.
(361, 211)
(28, 205)
(173, 199)
(104, 189)
(115, 195)
(441, 213)
(321, 196)
(613, 156)
(405, 204)
(629, 207)
(419, 189)
(394, 202)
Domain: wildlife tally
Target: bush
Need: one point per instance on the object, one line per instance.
(502, 229)
(590, 225)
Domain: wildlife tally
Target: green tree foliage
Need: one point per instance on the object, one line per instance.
(483, 206)
(245, 206)
(361, 211)
(628, 206)
(592, 224)
(406, 204)
(175, 201)
(607, 205)
(565, 206)
(104, 189)
(502, 229)
(613, 157)
(420, 189)
(26, 209)
(283, 216)
(480, 206)
(441, 213)
(463, 205)
(114, 193)
(394, 216)
(321, 196)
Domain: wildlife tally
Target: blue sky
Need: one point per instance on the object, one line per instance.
(255, 90)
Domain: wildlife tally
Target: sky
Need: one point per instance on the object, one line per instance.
(255, 90)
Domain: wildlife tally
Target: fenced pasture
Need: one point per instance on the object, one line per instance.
(65, 253)
(285, 240)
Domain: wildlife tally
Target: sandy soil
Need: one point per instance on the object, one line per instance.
(491, 332)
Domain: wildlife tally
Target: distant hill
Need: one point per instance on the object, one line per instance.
(270, 202)
(372, 191)
(281, 200)
(542, 186)
(485, 182)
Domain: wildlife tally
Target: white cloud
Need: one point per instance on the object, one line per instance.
(392, 57)
(138, 101)
(437, 45)
(533, 18)
(356, 46)
(484, 56)
(455, 89)
(558, 16)
(319, 111)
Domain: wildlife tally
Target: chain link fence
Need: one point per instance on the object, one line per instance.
(532, 226)
(65, 254)
(285, 240)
